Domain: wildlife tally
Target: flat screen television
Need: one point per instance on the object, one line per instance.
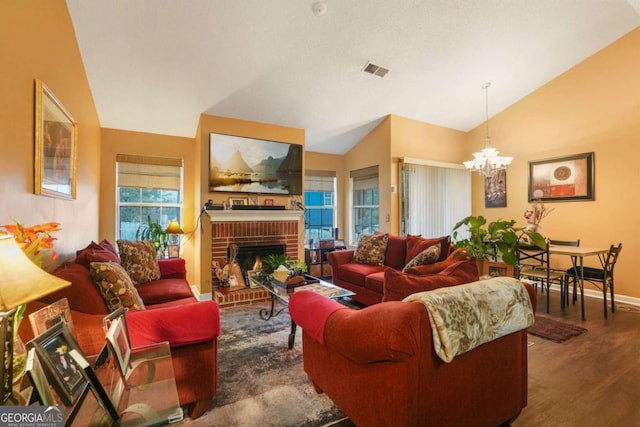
(247, 165)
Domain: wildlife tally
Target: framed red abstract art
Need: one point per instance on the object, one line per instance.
(562, 178)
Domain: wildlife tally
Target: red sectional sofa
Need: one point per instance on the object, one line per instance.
(379, 366)
(172, 314)
(453, 267)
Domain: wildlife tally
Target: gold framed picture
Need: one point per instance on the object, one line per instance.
(56, 134)
(238, 201)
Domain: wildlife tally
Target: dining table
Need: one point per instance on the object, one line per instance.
(578, 254)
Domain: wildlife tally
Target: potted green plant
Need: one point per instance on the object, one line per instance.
(299, 267)
(155, 232)
(486, 241)
(272, 262)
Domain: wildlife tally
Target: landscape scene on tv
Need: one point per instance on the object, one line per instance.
(247, 165)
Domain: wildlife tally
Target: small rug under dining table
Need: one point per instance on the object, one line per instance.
(554, 330)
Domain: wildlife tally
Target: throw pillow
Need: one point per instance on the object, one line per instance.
(417, 244)
(428, 256)
(398, 286)
(116, 286)
(371, 249)
(88, 255)
(140, 261)
(103, 245)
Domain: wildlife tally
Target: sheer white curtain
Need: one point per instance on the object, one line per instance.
(434, 197)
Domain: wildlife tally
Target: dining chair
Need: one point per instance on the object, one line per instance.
(564, 286)
(533, 263)
(596, 276)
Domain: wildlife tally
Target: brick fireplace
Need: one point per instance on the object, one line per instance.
(251, 228)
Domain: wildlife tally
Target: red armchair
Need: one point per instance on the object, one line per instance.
(171, 314)
(379, 366)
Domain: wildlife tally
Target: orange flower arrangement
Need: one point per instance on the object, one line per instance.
(35, 241)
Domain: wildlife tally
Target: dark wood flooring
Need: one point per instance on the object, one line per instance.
(590, 380)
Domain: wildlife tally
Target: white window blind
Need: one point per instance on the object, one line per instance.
(365, 179)
(319, 180)
(149, 172)
(434, 197)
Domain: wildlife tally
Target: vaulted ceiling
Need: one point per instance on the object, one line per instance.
(156, 65)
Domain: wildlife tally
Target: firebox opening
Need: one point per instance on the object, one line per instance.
(250, 257)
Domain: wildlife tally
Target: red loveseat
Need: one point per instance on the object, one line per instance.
(453, 267)
(172, 314)
(380, 367)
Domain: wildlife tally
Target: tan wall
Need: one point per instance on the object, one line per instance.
(332, 162)
(412, 138)
(394, 138)
(244, 128)
(38, 41)
(594, 107)
(116, 141)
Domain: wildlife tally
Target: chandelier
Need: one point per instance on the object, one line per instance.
(487, 161)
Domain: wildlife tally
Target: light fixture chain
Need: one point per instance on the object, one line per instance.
(486, 105)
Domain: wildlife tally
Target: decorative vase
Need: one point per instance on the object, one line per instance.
(531, 228)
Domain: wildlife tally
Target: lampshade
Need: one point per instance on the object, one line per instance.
(21, 281)
(174, 227)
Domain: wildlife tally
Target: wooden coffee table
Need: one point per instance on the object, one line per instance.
(281, 293)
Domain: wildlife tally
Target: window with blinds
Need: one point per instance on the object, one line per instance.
(146, 187)
(320, 204)
(434, 197)
(365, 199)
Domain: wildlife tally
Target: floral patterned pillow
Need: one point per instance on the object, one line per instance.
(371, 249)
(140, 260)
(428, 256)
(116, 286)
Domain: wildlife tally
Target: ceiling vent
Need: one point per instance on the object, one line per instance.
(376, 70)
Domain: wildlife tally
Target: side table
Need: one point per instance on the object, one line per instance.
(147, 396)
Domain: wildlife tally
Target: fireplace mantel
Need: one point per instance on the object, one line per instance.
(252, 216)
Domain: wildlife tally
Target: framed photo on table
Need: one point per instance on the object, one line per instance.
(48, 316)
(119, 344)
(56, 134)
(53, 350)
(496, 269)
(562, 178)
(173, 251)
(41, 388)
(238, 201)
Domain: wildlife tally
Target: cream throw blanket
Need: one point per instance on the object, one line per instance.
(466, 316)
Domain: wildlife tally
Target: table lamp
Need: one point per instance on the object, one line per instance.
(173, 233)
(21, 281)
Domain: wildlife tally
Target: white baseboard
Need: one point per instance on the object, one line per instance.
(594, 293)
(201, 297)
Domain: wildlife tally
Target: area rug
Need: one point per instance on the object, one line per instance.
(262, 382)
(554, 330)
